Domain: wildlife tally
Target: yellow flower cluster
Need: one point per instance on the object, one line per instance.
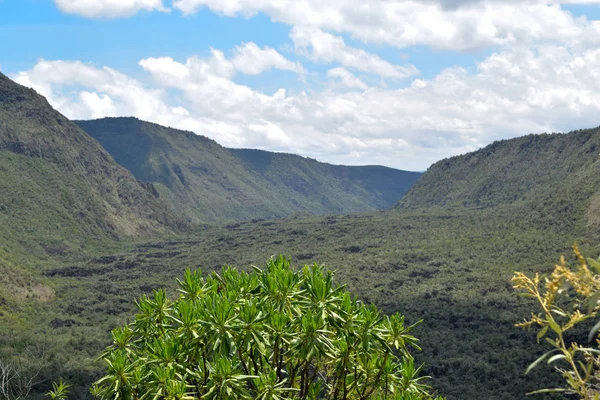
(580, 287)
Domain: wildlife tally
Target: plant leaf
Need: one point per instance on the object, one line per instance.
(539, 360)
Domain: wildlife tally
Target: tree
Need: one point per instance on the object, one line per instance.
(566, 299)
(20, 373)
(270, 334)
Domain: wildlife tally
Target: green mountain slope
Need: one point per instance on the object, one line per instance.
(210, 183)
(508, 171)
(550, 177)
(372, 187)
(59, 187)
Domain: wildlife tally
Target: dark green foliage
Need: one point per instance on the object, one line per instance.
(449, 267)
(209, 183)
(270, 334)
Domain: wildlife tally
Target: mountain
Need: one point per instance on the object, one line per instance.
(377, 186)
(554, 176)
(58, 186)
(210, 183)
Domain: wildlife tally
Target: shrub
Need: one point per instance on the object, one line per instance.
(566, 299)
(270, 334)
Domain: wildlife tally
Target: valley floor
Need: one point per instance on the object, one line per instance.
(451, 269)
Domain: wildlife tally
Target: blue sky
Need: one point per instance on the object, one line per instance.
(402, 83)
(46, 32)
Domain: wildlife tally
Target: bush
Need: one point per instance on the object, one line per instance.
(566, 299)
(269, 334)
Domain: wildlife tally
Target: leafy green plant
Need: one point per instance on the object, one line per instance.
(59, 390)
(567, 298)
(270, 334)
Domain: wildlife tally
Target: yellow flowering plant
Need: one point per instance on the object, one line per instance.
(566, 298)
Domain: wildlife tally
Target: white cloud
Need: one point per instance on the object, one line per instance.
(103, 86)
(512, 92)
(347, 78)
(98, 105)
(544, 76)
(252, 60)
(248, 59)
(272, 132)
(196, 70)
(320, 46)
(109, 8)
(444, 24)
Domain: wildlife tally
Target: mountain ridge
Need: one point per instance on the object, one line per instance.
(58, 182)
(211, 183)
(556, 175)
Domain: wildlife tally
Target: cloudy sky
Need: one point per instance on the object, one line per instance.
(401, 83)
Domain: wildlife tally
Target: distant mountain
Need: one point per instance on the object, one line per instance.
(555, 175)
(376, 186)
(58, 185)
(210, 183)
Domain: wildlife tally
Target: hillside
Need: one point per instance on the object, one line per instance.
(376, 186)
(210, 183)
(58, 187)
(550, 168)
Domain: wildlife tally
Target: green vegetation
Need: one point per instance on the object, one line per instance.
(59, 391)
(81, 238)
(450, 269)
(209, 183)
(567, 299)
(59, 188)
(372, 187)
(270, 334)
(60, 192)
(550, 174)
